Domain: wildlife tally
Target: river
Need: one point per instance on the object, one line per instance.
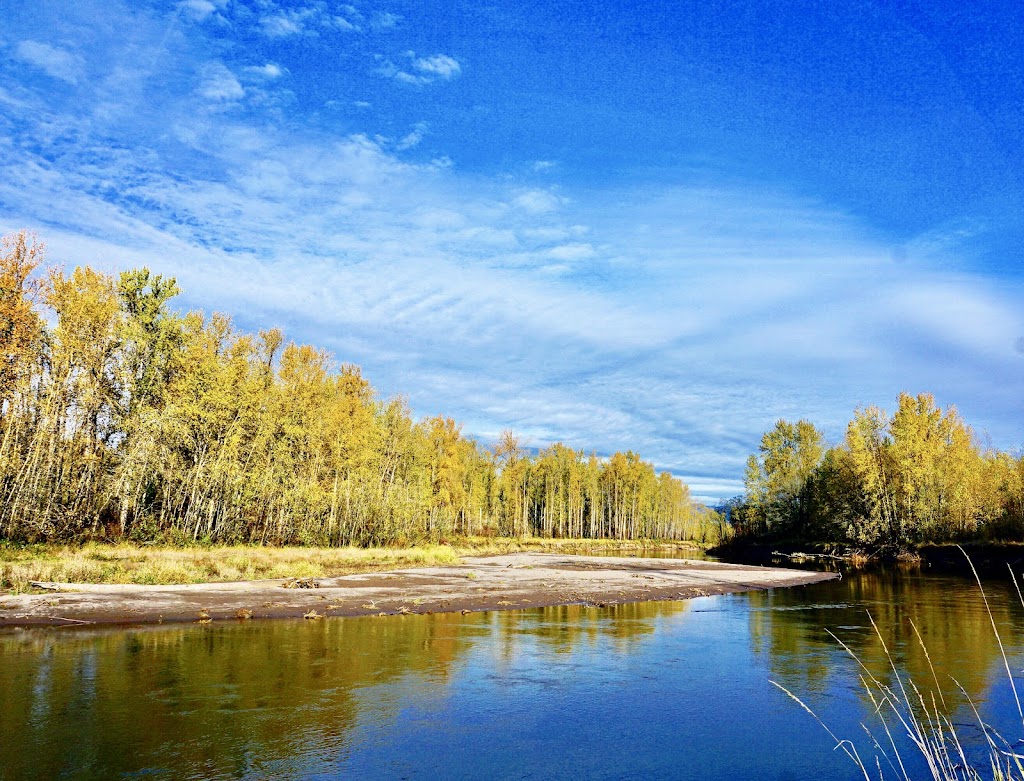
(666, 690)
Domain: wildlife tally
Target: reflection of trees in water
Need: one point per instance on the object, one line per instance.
(564, 629)
(789, 626)
(250, 698)
(225, 698)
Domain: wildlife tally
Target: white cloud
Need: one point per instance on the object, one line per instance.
(552, 234)
(437, 219)
(546, 234)
(14, 103)
(52, 60)
(537, 201)
(412, 138)
(571, 252)
(409, 140)
(953, 313)
(201, 9)
(219, 83)
(282, 25)
(270, 70)
(311, 19)
(424, 70)
(709, 489)
(486, 236)
(385, 21)
(341, 23)
(439, 66)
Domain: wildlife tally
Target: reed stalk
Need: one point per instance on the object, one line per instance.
(903, 710)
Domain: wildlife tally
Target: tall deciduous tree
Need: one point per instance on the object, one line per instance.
(20, 325)
(780, 478)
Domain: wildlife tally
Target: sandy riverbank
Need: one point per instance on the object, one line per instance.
(507, 582)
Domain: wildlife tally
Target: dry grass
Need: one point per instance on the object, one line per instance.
(152, 564)
(127, 563)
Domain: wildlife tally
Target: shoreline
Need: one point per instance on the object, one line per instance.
(991, 558)
(504, 582)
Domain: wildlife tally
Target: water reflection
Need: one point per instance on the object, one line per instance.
(226, 699)
(956, 647)
(563, 628)
(656, 690)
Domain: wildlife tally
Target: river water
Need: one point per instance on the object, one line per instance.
(668, 690)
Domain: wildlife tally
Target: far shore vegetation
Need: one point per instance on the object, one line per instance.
(125, 421)
(897, 482)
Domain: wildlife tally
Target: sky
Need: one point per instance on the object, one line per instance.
(656, 227)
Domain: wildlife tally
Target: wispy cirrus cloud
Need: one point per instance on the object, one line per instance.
(709, 309)
(413, 137)
(201, 9)
(218, 83)
(55, 61)
(678, 321)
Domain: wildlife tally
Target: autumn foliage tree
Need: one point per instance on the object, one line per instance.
(916, 476)
(126, 418)
(780, 479)
(20, 325)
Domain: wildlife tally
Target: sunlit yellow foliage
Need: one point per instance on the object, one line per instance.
(126, 419)
(917, 476)
(20, 326)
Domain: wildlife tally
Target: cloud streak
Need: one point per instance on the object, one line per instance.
(52, 60)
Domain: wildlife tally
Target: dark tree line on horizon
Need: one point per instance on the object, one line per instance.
(121, 418)
(918, 476)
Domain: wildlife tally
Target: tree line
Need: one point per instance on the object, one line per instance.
(123, 418)
(920, 475)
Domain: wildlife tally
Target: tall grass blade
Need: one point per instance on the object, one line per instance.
(995, 631)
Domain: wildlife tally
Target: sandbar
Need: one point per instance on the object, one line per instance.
(507, 582)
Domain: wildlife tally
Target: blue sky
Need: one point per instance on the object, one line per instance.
(657, 228)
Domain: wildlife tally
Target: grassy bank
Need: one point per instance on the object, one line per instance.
(161, 565)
